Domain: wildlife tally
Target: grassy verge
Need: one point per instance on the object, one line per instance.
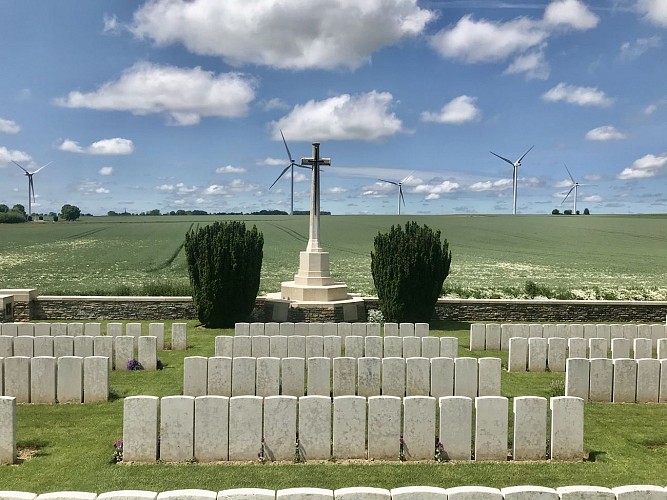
(626, 443)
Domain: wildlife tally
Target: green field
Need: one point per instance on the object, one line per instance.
(72, 444)
(614, 257)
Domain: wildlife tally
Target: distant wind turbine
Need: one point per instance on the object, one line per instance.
(291, 165)
(515, 165)
(31, 186)
(575, 187)
(400, 190)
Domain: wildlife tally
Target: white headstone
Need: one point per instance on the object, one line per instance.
(430, 347)
(373, 346)
(358, 329)
(603, 332)
(418, 377)
(315, 427)
(421, 329)
(442, 377)
(42, 329)
(219, 376)
(241, 329)
(333, 346)
(393, 347)
(278, 346)
(63, 346)
(419, 493)
(406, 329)
(369, 372)
(242, 346)
(658, 332)
(23, 346)
(211, 428)
(384, 427)
(354, 346)
(418, 427)
(465, 377)
(17, 378)
(362, 493)
(577, 347)
(412, 347)
(661, 348)
(314, 346)
(287, 329)
(330, 329)
(393, 377)
(177, 428)
(517, 358)
(489, 377)
(74, 329)
(140, 428)
(648, 380)
(391, 329)
(267, 377)
(642, 348)
(601, 378)
(556, 354)
(179, 336)
(639, 492)
(529, 493)
(43, 379)
(319, 377)
(344, 329)
(455, 429)
(42, 346)
(25, 329)
(190, 494)
(146, 352)
(123, 351)
(590, 331)
(243, 376)
(662, 397)
(616, 331)
(577, 378)
(6, 346)
(625, 381)
(113, 330)
(630, 331)
(349, 427)
(256, 328)
(449, 347)
(491, 428)
(567, 428)
(315, 328)
(271, 329)
(535, 330)
(70, 379)
(292, 376)
(245, 427)
(157, 330)
(492, 342)
(279, 427)
(537, 354)
(549, 331)
(95, 379)
(598, 348)
(246, 494)
(133, 330)
(259, 346)
(530, 428)
(344, 376)
(57, 329)
(296, 346)
(7, 430)
(84, 346)
(103, 346)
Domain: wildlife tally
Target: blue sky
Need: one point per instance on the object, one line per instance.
(175, 104)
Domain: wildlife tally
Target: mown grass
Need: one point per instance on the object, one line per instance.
(626, 443)
(493, 256)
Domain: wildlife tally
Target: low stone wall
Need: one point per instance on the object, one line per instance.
(633, 492)
(333, 346)
(46, 379)
(29, 305)
(243, 428)
(343, 376)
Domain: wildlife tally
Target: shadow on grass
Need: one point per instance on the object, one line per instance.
(594, 455)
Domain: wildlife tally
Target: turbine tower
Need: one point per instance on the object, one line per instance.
(291, 165)
(515, 166)
(575, 188)
(31, 185)
(400, 190)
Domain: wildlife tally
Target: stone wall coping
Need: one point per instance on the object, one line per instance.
(21, 294)
(112, 298)
(551, 301)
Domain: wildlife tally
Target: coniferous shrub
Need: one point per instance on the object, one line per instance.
(224, 264)
(409, 267)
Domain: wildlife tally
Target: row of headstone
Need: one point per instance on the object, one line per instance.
(538, 354)
(46, 379)
(178, 331)
(341, 329)
(631, 492)
(120, 350)
(618, 380)
(266, 376)
(495, 336)
(241, 428)
(333, 346)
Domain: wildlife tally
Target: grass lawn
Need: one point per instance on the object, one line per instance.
(627, 443)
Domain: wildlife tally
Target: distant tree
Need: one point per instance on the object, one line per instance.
(578, 212)
(53, 214)
(567, 212)
(19, 208)
(11, 217)
(555, 211)
(55, 218)
(409, 268)
(586, 212)
(155, 211)
(224, 264)
(4, 208)
(70, 212)
(112, 213)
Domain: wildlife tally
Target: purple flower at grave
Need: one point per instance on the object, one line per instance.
(134, 365)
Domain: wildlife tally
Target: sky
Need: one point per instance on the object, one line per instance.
(179, 104)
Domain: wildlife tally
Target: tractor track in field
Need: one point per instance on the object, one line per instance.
(300, 237)
(171, 258)
(85, 234)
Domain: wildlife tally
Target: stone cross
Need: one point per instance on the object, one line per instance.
(314, 229)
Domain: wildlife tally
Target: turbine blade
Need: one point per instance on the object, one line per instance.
(31, 188)
(504, 159)
(519, 160)
(389, 182)
(40, 168)
(281, 174)
(289, 155)
(400, 192)
(567, 195)
(20, 167)
(568, 173)
(407, 177)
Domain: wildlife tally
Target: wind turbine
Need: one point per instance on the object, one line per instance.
(31, 186)
(515, 165)
(291, 165)
(400, 190)
(575, 186)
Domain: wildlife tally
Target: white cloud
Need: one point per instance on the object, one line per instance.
(605, 133)
(92, 187)
(499, 185)
(105, 171)
(653, 107)
(570, 14)
(111, 24)
(581, 96)
(216, 190)
(592, 177)
(229, 169)
(9, 155)
(102, 190)
(184, 95)
(275, 103)
(364, 117)
(165, 187)
(115, 146)
(477, 41)
(532, 64)
(654, 10)
(272, 161)
(565, 183)
(298, 176)
(594, 198)
(434, 191)
(298, 34)
(633, 50)
(335, 190)
(183, 189)
(646, 166)
(459, 110)
(9, 126)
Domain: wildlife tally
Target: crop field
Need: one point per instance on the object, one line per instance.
(607, 257)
